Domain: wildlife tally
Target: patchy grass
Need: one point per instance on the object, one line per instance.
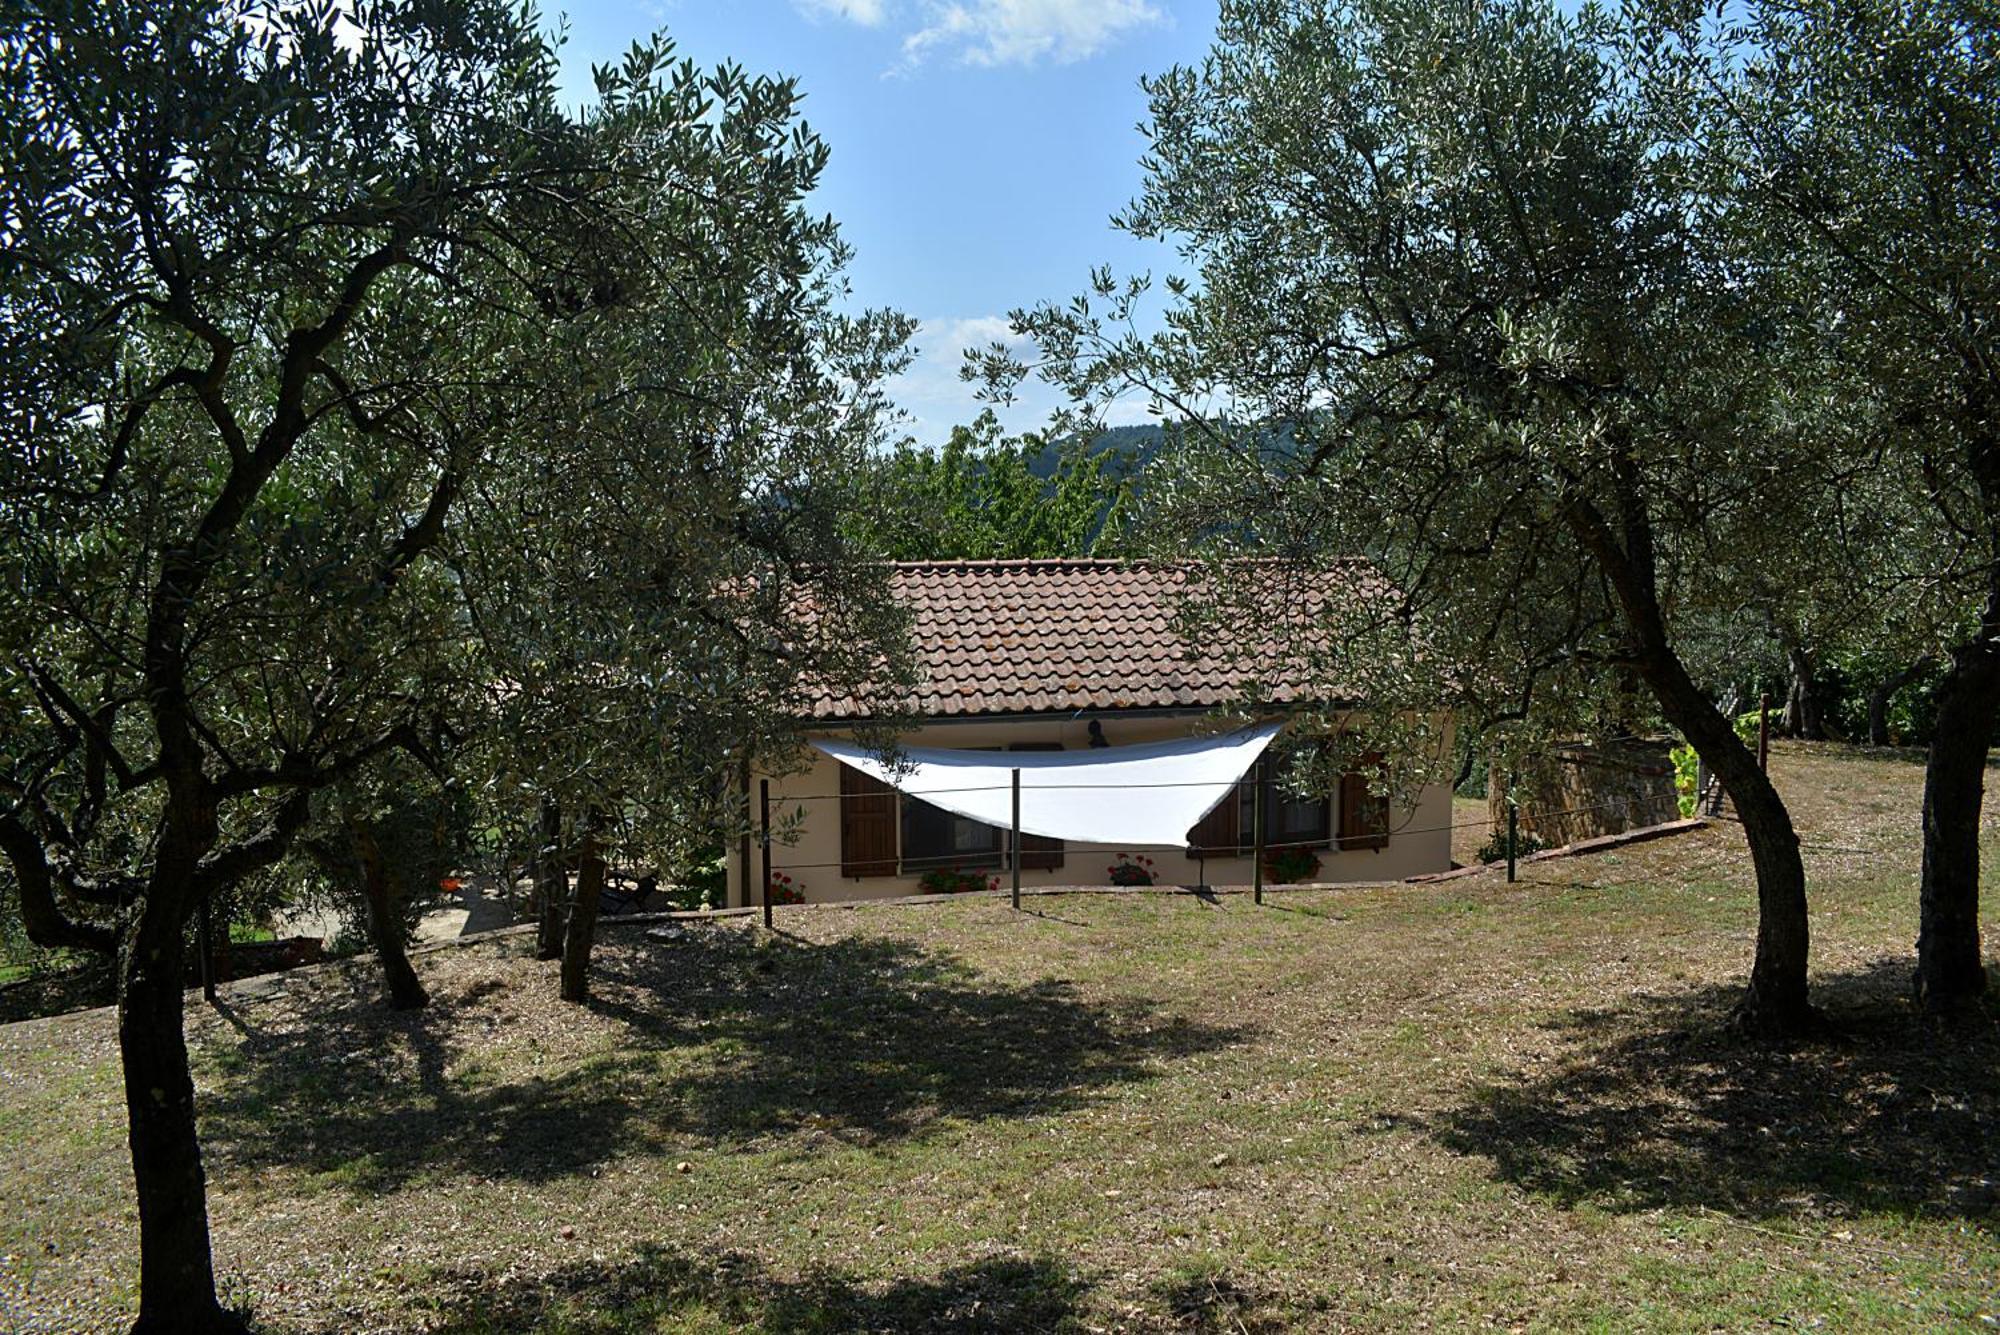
(1470, 829)
(1467, 1105)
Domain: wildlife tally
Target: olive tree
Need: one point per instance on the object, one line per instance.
(330, 340)
(1457, 303)
(1861, 141)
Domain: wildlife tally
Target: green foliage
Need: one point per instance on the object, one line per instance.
(1459, 285)
(1849, 148)
(1495, 848)
(1912, 714)
(1291, 866)
(1748, 725)
(416, 415)
(986, 496)
(956, 881)
(704, 884)
(1131, 869)
(1687, 769)
(419, 829)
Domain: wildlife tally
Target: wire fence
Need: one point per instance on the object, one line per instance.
(983, 860)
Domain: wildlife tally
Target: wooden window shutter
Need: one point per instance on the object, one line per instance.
(867, 825)
(1364, 817)
(1038, 851)
(1220, 832)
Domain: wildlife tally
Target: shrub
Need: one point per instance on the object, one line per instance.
(705, 884)
(956, 881)
(1288, 866)
(784, 890)
(1130, 869)
(1495, 849)
(1687, 768)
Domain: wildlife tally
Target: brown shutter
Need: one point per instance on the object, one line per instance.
(1038, 851)
(1364, 817)
(867, 825)
(1219, 832)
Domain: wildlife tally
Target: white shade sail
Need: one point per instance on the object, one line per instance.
(1151, 794)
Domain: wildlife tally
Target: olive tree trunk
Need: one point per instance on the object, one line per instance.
(1884, 695)
(551, 883)
(582, 920)
(1949, 967)
(385, 923)
(1775, 1003)
(176, 1267)
(1805, 707)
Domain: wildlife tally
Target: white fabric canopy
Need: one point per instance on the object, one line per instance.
(1150, 795)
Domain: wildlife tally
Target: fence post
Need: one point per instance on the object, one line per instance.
(764, 800)
(1014, 847)
(1257, 832)
(1513, 831)
(1763, 731)
(207, 953)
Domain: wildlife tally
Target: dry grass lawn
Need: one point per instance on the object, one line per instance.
(1467, 1104)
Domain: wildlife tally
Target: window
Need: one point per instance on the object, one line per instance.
(934, 837)
(1288, 819)
(1364, 816)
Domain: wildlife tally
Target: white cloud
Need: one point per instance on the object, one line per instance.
(934, 396)
(999, 32)
(1022, 32)
(936, 399)
(975, 331)
(867, 13)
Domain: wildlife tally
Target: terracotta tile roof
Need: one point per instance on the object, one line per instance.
(1030, 637)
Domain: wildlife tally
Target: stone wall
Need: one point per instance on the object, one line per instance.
(1583, 790)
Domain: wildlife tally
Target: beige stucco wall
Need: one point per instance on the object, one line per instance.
(1417, 841)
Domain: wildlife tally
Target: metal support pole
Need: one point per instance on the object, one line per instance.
(1513, 835)
(1764, 731)
(1014, 848)
(207, 953)
(1257, 832)
(764, 798)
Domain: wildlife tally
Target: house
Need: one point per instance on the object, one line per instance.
(1026, 658)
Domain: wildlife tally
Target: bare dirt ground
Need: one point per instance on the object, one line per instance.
(1462, 1105)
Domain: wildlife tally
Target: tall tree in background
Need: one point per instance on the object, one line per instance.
(987, 496)
(303, 304)
(1459, 307)
(1863, 140)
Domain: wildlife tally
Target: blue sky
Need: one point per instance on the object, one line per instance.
(979, 146)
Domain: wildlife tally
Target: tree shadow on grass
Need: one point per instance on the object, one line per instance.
(661, 1288)
(1658, 1105)
(719, 1037)
(871, 1040)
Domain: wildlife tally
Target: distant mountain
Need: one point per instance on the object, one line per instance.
(1135, 447)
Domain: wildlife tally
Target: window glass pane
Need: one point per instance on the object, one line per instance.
(934, 837)
(1300, 818)
(1288, 818)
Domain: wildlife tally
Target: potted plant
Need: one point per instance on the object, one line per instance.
(784, 890)
(1132, 869)
(1289, 866)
